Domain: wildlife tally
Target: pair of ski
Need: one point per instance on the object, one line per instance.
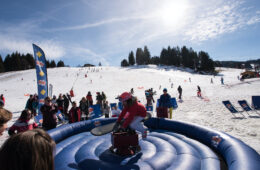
(104, 129)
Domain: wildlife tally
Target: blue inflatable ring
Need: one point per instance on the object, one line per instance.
(169, 145)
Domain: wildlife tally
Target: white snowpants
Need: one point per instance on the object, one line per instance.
(138, 125)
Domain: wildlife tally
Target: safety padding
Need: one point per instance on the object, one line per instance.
(236, 153)
(169, 145)
(65, 131)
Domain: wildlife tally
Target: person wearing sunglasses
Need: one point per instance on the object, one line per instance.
(49, 111)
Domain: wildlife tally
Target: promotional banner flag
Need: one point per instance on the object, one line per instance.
(41, 73)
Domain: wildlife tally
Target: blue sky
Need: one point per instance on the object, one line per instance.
(93, 31)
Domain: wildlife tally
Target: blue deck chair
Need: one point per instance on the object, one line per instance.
(95, 111)
(120, 105)
(149, 108)
(38, 119)
(61, 118)
(174, 103)
(245, 106)
(231, 108)
(112, 105)
(256, 102)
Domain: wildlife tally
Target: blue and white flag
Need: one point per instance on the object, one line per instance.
(41, 73)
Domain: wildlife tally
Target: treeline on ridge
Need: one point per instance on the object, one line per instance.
(175, 56)
(17, 61)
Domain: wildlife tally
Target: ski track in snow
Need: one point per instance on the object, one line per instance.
(207, 111)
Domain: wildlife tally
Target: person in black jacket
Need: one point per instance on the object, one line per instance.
(49, 111)
(83, 105)
(180, 92)
(66, 104)
(99, 99)
(60, 103)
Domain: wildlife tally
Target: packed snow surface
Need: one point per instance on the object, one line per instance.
(207, 111)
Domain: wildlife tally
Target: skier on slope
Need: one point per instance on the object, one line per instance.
(180, 92)
(132, 114)
(199, 91)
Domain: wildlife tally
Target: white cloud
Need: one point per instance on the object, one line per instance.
(88, 55)
(225, 18)
(52, 49)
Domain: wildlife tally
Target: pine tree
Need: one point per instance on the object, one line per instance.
(155, 60)
(47, 62)
(7, 63)
(147, 56)
(30, 60)
(164, 57)
(2, 67)
(124, 63)
(131, 58)
(24, 63)
(139, 56)
(52, 64)
(60, 64)
(206, 64)
(185, 56)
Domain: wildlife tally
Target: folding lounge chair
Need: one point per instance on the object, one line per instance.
(245, 106)
(256, 102)
(174, 103)
(38, 119)
(231, 108)
(61, 118)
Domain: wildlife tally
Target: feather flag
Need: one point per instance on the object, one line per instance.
(41, 73)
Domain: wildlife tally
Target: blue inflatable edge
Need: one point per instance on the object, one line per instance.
(236, 153)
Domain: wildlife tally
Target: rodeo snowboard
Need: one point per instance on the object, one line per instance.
(102, 130)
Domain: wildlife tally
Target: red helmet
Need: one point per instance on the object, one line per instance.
(125, 96)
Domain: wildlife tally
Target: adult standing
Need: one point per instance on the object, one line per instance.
(60, 103)
(164, 104)
(198, 91)
(180, 92)
(74, 113)
(66, 104)
(49, 111)
(106, 109)
(83, 105)
(89, 99)
(29, 103)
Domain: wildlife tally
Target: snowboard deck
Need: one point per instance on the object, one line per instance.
(104, 129)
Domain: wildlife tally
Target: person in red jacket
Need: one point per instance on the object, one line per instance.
(132, 114)
(2, 100)
(24, 123)
(74, 113)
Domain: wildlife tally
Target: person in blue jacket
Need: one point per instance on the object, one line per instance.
(165, 99)
(164, 103)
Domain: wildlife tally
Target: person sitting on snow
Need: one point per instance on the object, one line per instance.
(132, 114)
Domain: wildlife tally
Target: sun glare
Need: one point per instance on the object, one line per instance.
(172, 12)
